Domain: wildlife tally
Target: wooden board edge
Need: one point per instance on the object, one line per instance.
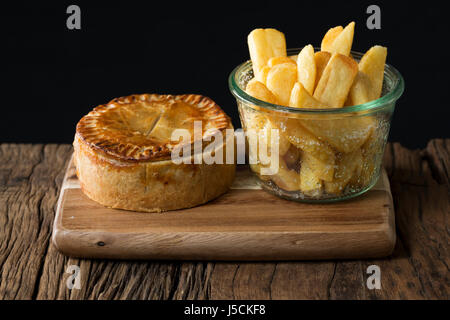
(230, 246)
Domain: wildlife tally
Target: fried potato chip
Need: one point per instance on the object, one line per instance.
(306, 68)
(261, 76)
(308, 143)
(305, 140)
(260, 50)
(280, 80)
(346, 164)
(321, 59)
(266, 134)
(300, 98)
(284, 143)
(262, 125)
(322, 170)
(340, 41)
(309, 178)
(259, 91)
(336, 81)
(329, 38)
(344, 134)
(277, 42)
(286, 179)
(264, 44)
(372, 64)
(279, 60)
(343, 42)
(361, 90)
(292, 157)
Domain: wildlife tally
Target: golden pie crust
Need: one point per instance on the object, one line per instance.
(123, 153)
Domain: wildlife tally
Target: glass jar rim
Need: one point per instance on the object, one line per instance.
(391, 96)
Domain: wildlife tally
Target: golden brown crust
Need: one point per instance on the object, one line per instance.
(138, 127)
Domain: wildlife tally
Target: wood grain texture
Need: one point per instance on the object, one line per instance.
(30, 267)
(30, 179)
(243, 224)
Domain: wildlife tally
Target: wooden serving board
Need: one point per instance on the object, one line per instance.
(246, 223)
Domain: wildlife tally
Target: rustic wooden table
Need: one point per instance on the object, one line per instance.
(31, 267)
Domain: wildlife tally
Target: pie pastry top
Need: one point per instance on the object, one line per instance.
(139, 127)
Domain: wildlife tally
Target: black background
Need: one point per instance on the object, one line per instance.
(52, 76)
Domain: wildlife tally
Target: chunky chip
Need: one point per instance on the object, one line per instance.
(266, 134)
(338, 40)
(292, 157)
(308, 143)
(368, 83)
(372, 64)
(336, 81)
(259, 121)
(259, 91)
(281, 80)
(264, 44)
(361, 90)
(329, 38)
(343, 134)
(261, 76)
(309, 178)
(346, 164)
(286, 179)
(279, 60)
(321, 59)
(306, 68)
(300, 98)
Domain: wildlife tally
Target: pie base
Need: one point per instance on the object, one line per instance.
(148, 186)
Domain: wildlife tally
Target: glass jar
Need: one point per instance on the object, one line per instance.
(316, 155)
